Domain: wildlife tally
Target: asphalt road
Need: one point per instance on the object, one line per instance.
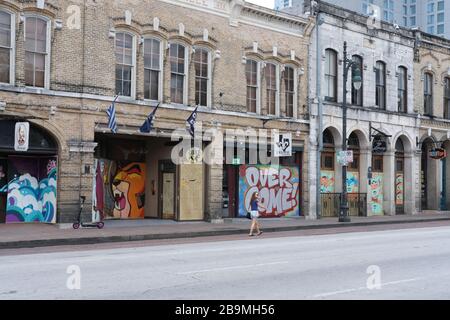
(392, 264)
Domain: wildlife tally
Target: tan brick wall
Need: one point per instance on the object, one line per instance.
(83, 61)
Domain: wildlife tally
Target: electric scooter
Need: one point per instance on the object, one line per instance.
(76, 225)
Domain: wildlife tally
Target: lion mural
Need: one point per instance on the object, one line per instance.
(128, 189)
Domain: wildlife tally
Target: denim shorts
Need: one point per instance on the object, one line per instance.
(254, 214)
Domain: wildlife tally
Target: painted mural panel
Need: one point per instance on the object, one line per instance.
(327, 181)
(278, 187)
(376, 193)
(399, 189)
(120, 189)
(31, 189)
(352, 182)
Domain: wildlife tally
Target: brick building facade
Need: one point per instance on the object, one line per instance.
(64, 61)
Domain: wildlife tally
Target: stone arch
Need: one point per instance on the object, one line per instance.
(406, 139)
(337, 136)
(425, 137)
(362, 135)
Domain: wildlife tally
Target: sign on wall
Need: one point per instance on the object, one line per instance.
(283, 145)
(21, 136)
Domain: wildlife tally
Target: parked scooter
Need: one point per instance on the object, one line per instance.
(76, 225)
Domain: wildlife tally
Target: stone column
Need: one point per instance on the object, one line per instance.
(417, 157)
(314, 181)
(389, 183)
(366, 162)
(409, 172)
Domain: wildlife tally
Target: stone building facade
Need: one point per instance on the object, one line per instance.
(63, 62)
(380, 113)
(432, 100)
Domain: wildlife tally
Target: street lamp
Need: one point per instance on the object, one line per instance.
(357, 83)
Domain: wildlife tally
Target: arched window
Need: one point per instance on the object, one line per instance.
(380, 77)
(251, 73)
(402, 89)
(152, 69)
(6, 47)
(428, 94)
(330, 75)
(447, 98)
(289, 86)
(125, 64)
(201, 63)
(178, 70)
(357, 95)
(271, 88)
(37, 48)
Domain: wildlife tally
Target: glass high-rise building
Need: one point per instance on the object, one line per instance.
(431, 16)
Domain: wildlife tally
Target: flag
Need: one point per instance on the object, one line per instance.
(148, 124)
(111, 112)
(191, 121)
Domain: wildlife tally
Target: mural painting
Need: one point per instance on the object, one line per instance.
(327, 181)
(399, 189)
(31, 189)
(278, 187)
(376, 193)
(119, 189)
(352, 182)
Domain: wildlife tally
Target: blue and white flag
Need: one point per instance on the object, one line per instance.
(111, 112)
(191, 121)
(148, 124)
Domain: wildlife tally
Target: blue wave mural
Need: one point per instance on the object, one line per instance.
(30, 200)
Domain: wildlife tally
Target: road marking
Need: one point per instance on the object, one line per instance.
(234, 267)
(328, 294)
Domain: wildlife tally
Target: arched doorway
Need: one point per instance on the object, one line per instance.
(353, 176)
(399, 177)
(28, 176)
(430, 184)
(377, 178)
(329, 198)
(445, 203)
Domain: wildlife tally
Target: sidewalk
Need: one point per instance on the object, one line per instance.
(39, 235)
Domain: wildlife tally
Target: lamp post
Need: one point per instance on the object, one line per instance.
(357, 83)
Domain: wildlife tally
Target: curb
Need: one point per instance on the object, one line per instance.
(194, 234)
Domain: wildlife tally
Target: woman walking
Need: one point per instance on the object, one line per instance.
(254, 207)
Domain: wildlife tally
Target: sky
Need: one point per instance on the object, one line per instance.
(264, 3)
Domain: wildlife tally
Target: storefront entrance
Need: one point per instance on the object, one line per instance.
(136, 179)
(399, 177)
(28, 179)
(279, 187)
